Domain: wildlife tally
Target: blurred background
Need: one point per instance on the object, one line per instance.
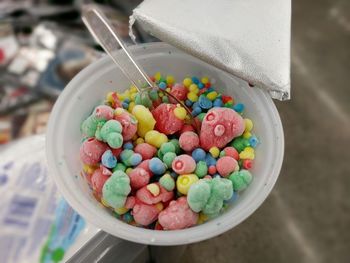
(43, 44)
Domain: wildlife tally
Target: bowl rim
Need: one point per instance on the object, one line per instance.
(140, 235)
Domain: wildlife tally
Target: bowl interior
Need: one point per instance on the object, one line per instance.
(89, 88)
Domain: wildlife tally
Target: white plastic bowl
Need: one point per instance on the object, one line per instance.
(89, 88)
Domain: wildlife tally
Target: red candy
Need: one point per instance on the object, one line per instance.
(98, 179)
(177, 215)
(91, 151)
(219, 127)
(212, 169)
(116, 102)
(116, 152)
(184, 164)
(189, 141)
(130, 202)
(104, 112)
(247, 164)
(139, 177)
(166, 121)
(179, 92)
(128, 123)
(146, 150)
(144, 195)
(187, 128)
(226, 165)
(231, 151)
(144, 214)
(226, 99)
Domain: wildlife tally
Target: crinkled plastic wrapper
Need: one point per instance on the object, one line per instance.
(247, 38)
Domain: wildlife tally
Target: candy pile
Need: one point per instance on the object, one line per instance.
(144, 158)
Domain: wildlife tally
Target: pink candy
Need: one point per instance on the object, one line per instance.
(130, 202)
(179, 92)
(184, 164)
(146, 150)
(139, 177)
(231, 151)
(128, 123)
(144, 195)
(104, 112)
(166, 121)
(91, 151)
(189, 141)
(186, 128)
(98, 179)
(226, 165)
(144, 214)
(145, 165)
(177, 215)
(219, 127)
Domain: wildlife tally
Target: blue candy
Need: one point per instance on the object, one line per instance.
(127, 217)
(162, 85)
(239, 107)
(210, 89)
(127, 100)
(195, 80)
(108, 159)
(157, 166)
(128, 145)
(218, 103)
(253, 141)
(135, 159)
(195, 105)
(233, 198)
(174, 175)
(210, 160)
(125, 105)
(196, 111)
(188, 103)
(198, 155)
(201, 85)
(204, 102)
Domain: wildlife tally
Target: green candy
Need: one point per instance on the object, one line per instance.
(239, 143)
(168, 158)
(167, 182)
(240, 179)
(201, 169)
(110, 126)
(153, 94)
(176, 143)
(165, 99)
(160, 154)
(201, 116)
(208, 195)
(114, 140)
(125, 156)
(116, 189)
(167, 147)
(119, 167)
(110, 132)
(89, 126)
(142, 98)
(222, 153)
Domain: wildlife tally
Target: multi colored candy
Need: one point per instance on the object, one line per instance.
(162, 165)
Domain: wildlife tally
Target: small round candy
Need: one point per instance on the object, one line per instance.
(176, 143)
(212, 95)
(248, 124)
(217, 103)
(128, 145)
(231, 151)
(201, 169)
(214, 151)
(187, 82)
(119, 167)
(155, 138)
(189, 141)
(192, 96)
(196, 111)
(125, 156)
(184, 182)
(168, 158)
(205, 80)
(162, 85)
(239, 107)
(253, 141)
(195, 80)
(210, 160)
(157, 166)
(135, 159)
(188, 103)
(167, 182)
(198, 154)
(167, 147)
(247, 164)
(204, 102)
(108, 159)
(212, 169)
(247, 153)
(146, 150)
(226, 165)
(184, 164)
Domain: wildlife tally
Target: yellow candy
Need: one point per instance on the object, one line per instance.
(133, 89)
(192, 96)
(109, 97)
(119, 111)
(131, 106)
(89, 169)
(214, 151)
(194, 88)
(159, 206)
(248, 125)
(247, 153)
(128, 171)
(168, 89)
(170, 79)
(135, 137)
(155, 138)
(157, 76)
(187, 82)
(104, 202)
(145, 119)
(212, 95)
(205, 80)
(247, 135)
(139, 140)
(184, 182)
(180, 113)
(154, 189)
(202, 218)
(133, 96)
(121, 211)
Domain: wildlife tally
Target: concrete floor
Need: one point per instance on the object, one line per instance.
(307, 216)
